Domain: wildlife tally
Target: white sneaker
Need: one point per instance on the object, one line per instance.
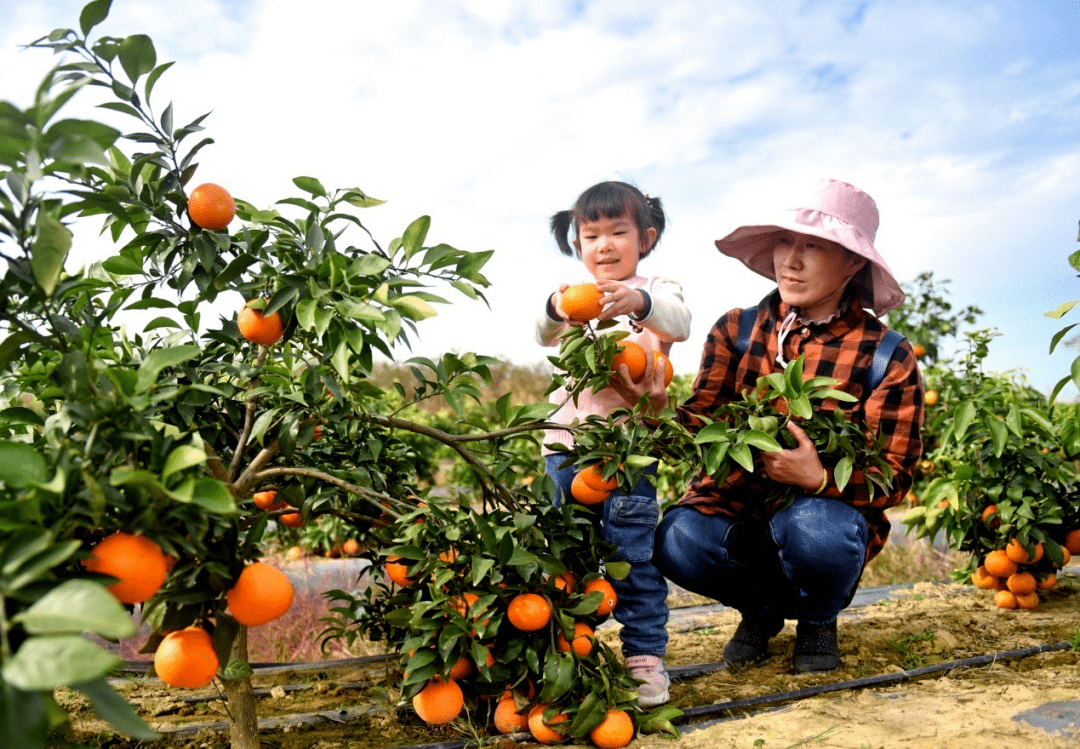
(649, 669)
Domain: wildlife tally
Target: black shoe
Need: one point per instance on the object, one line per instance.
(816, 648)
(750, 643)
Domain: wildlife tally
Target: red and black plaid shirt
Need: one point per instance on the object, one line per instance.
(841, 348)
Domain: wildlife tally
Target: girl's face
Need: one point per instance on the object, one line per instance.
(812, 273)
(612, 247)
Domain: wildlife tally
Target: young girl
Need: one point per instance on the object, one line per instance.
(615, 226)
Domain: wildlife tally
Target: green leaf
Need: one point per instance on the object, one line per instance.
(413, 307)
(741, 454)
(1012, 421)
(310, 185)
(712, 433)
(1060, 312)
(137, 56)
(214, 496)
(839, 395)
(800, 406)
(998, 434)
(21, 464)
(963, 417)
(414, 236)
(77, 606)
(760, 440)
(92, 14)
(181, 458)
(50, 661)
(1059, 335)
(112, 707)
(51, 245)
(558, 677)
(842, 472)
(163, 359)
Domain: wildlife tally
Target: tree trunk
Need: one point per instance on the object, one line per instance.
(244, 731)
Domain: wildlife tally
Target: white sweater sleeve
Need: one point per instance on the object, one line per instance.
(548, 330)
(669, 317)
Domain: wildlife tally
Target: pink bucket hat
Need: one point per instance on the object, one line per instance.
(836, 211)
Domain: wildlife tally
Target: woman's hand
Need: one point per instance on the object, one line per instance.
(799, 466)
(620, 299)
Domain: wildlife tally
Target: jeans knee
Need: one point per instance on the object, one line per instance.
(824, 535)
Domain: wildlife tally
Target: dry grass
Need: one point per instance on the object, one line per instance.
(911, 562)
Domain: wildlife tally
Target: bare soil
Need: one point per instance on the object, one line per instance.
(909, 628)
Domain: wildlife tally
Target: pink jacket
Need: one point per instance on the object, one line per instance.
(666, 322)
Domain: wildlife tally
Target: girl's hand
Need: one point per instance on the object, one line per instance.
(620, 299)
(800, 466)
(651, 384)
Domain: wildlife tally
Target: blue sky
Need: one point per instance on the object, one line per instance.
(962, 119)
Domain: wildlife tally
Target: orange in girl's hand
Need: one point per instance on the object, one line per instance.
(582, 302)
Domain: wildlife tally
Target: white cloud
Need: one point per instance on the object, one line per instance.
(960, 119)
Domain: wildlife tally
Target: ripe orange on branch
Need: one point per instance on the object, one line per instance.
(291, 519)
(257, 328)
(632, 356)
(582, 302)
(998, 564)
(529, 612)
(136, 561)
(267, 500)
(507, 719)
(593, 477)
(540, 729)
(616, 731)
(1017, 553)
(1021, 583)
(398, 571)
(261, 594)
(1072, 541)
(439, 701)
(211, 206)
(607, 603)
(186, 658)
(585, 494)
(931, 398)
(582, 644)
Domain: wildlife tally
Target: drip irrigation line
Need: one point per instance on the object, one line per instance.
(715, 711)
(866, 681)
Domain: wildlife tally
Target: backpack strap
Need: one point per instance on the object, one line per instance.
(746, 325)
(882, 356)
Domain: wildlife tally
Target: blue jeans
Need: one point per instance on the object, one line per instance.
(805, 565)
(629, 522)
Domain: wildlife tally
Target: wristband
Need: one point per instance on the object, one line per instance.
(824, 481)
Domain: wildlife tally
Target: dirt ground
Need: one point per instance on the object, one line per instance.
(909, 628)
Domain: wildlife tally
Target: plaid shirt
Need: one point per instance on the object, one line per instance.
(841, 348)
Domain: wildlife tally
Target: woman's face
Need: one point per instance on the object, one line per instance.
(812, 273)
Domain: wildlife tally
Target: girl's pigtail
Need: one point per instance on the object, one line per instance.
(560, 227)
(655, 217)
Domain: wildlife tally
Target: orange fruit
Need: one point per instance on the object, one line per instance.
(291, 519)
(1016, 552)
(267, 500)
(136, 561)
(990, 516)
(585, 494)
(593, 477)
(529, 612)
(661, 361)
(186, 658)
(633, 357)
(607, 603)
(998, 564)
(464, 603)
(211, 206)
(439, 701)
(983, 579)
(583, 641)
(351, 547)
(582, 302)
(1072, 541)
(541, 730)
(614, 732)
(263, 330)
(461, 669)
(318, 433)
(294, 553)
(448, 556)
(919, 349)
(261, 594)
(931, 398)
(1021, 583)
(1027, 600)
(1066, 556)
(1005, 599)
(1048, 582)
(507, 718)
(397, 572)
(565, 582)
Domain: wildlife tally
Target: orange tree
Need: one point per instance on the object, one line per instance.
(1003, 468)
(167, 433)
(927, 319)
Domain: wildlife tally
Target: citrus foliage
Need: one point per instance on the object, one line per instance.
(1057, 314)
(926, 317)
